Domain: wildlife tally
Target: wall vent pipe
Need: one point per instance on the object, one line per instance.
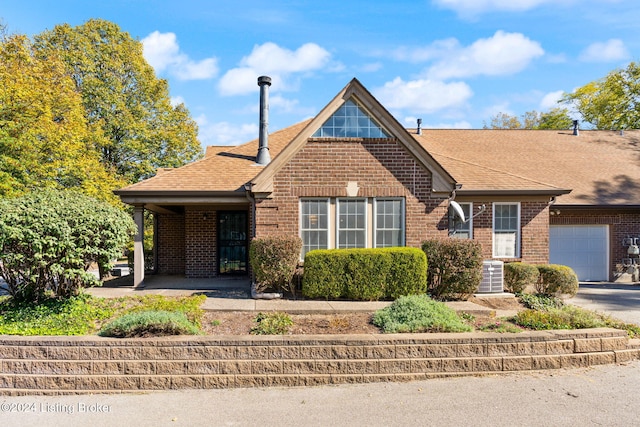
(263, 157)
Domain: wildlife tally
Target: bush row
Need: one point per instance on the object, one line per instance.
(445, 268)
(549, 279)
(364, 274)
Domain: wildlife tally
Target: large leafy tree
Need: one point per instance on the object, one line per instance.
(45, 140)
(121, 94)
(556, 118)
(612, 102)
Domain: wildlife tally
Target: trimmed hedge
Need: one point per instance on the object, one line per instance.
(364, 274)
(518, 276)
(557, 279)
(273, 260)
(455, 267)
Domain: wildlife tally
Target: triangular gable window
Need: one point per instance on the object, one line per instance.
(350, 121)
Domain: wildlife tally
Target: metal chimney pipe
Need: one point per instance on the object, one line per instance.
(419, 129)
(576, 131)
(263, 157)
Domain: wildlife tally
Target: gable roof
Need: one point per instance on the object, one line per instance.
(223, 169)
(442, 181)
(596, 168)
(601, 168)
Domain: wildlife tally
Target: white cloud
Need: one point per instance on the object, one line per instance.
(276, 62)
(550, 100)
(501, 54)
(162, 52)
(177, 100)
(611, 50)
(471, 8)
(224, 133)
(437, 49)
(423, 96)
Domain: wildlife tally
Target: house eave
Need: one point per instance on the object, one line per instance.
(181, 197)
(550, 192)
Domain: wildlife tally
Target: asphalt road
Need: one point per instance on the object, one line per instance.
(605, 396)
(619, 301)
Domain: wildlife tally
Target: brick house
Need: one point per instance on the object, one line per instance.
(353, 176)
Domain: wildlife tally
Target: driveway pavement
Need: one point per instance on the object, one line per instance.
(617, 300)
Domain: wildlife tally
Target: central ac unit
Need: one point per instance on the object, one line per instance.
(492, 277)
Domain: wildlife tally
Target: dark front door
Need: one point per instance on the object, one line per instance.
(232, 242)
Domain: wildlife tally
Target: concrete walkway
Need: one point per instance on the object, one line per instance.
(233, 294)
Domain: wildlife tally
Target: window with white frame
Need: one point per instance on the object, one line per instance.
(314, 224)
(506, 230)
(351, 223)
(459, 229)
(389, 224)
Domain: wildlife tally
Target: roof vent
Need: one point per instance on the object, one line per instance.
(419, 129)
(263, 157)
(576, 131)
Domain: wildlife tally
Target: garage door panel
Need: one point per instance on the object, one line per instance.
(583, 248)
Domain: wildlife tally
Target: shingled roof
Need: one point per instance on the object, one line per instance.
(602, 168)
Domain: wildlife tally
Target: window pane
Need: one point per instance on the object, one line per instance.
(506, 233)
(314, 220)
(458, 229)
(352, 223)
(350, 120)
(389, 230)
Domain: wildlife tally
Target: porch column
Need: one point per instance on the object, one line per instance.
(138, 247)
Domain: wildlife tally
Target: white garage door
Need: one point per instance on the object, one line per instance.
(584, 248)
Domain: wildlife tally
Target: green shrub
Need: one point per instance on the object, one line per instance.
(543, 320)
(149, 323)
(518, 276)
(418, 313)
(275, 323)
(541, 301)
(52, 316)
(189, 305)
(557, 279)
(49, 239)
(273, 261)
(455, 267)
(364, 274)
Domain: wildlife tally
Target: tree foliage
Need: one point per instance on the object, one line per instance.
(122, 95)
(612, 102)
(49, 239)
(45, 140)
(556, 118)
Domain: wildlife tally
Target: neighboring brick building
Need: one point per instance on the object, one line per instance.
(354, 177)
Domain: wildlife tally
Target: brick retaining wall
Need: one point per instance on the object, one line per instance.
(69, 365)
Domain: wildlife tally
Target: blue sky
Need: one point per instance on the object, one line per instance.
(453, 63)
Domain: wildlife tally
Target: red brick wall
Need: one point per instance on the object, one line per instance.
(534, 230)
(622, 223)
(381, 167)
(200, 243)
(170, 236)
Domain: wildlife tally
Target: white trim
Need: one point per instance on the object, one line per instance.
(518, 230)
(366, 219)
(403, 231)
(329, 222)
